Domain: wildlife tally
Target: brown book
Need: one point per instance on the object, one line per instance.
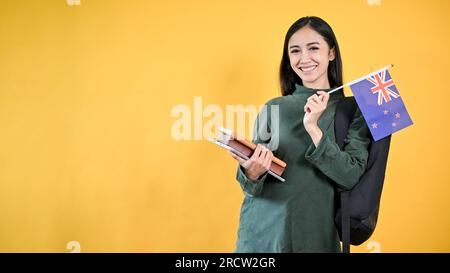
(247, 148)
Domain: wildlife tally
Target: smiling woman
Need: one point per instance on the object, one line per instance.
(310, 60)
(88, 160)
(311, 56)
(298, 215)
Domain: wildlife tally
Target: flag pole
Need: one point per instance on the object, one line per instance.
(360, 79)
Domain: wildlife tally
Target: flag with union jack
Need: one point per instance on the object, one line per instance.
(381, 104)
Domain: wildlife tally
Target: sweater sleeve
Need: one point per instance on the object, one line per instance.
(261, 135)
(250, 187)
(347, 166)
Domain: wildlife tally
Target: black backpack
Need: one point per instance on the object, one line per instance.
(357, 209)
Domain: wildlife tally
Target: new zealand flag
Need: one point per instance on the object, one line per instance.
(381, 104)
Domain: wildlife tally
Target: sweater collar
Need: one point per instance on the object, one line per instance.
(301, 90)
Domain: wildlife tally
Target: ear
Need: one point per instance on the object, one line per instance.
(332, 54)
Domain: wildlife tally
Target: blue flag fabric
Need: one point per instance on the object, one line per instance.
(381, 104)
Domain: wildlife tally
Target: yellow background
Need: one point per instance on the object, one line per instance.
(86, 93)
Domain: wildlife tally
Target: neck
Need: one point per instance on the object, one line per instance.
(318, 84)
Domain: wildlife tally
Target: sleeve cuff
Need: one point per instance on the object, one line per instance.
(313, 153)
(250, 187)
(260, 179)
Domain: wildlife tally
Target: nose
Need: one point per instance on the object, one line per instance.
(304, 58)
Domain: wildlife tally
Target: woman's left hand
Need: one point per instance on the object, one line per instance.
(314, 107)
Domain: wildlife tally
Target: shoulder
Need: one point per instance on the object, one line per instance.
(277, 100)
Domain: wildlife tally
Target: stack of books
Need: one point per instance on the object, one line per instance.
(244, 149)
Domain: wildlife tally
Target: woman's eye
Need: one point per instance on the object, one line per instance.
(295, 51)
(313, 48)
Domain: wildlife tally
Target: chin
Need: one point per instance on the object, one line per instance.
(309, 80)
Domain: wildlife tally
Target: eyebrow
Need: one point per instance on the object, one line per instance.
(308, 44)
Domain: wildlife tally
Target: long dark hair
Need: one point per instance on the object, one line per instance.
(288, 77)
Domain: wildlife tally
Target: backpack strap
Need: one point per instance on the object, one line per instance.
(345, 111)
(345, 232)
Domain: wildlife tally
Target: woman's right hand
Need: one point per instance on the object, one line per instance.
(257, 164)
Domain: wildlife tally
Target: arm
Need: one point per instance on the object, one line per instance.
(252, 173)
(250, 187)
(316, 135)
(344, 167)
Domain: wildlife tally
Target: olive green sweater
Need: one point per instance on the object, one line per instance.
(298, 215)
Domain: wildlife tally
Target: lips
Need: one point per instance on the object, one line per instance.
(308, 68)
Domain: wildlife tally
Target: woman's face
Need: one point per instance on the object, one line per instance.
(309, 55)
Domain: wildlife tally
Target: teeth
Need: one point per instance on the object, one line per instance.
(309, 68)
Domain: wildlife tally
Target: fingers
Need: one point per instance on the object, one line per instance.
(311, 107)
(312, 104)
(257, 152)
(259, 162)
(268, 160)
(324, 96)
(263, 155)
(238, 158)
(317, 103)
(315, 98)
